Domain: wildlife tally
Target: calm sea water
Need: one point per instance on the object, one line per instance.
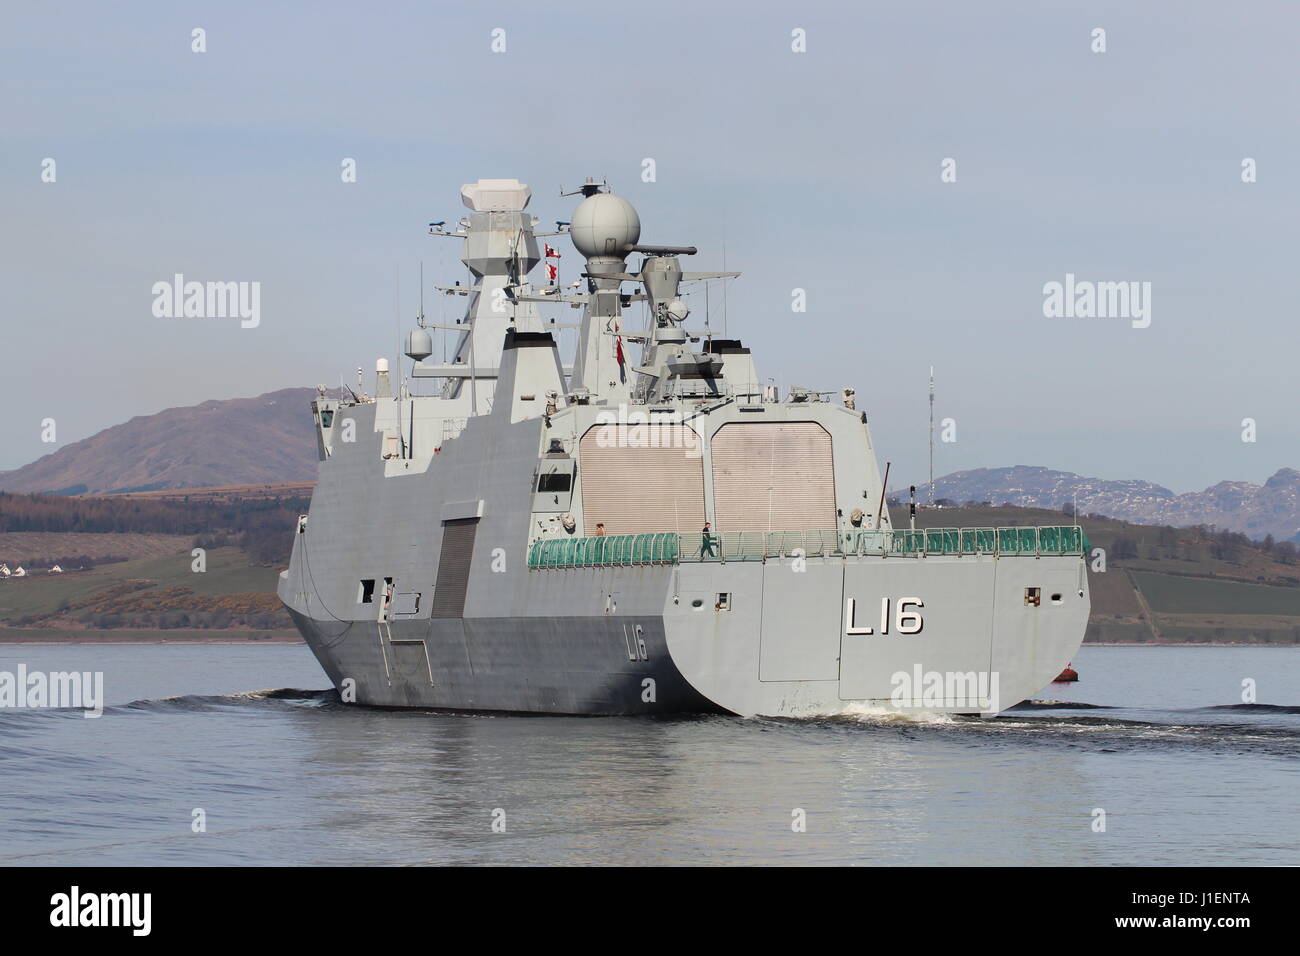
(1185, 773)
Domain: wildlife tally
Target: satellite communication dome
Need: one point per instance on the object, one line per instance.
(603, 224)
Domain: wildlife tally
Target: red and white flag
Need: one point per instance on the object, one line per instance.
(618, 354)
(552, 273)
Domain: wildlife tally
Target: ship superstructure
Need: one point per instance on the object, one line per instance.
(660, 535)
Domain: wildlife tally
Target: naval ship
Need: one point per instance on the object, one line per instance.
(505, 531)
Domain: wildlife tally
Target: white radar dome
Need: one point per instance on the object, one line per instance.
(603, 224)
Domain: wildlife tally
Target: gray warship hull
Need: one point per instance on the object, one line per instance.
(670, 537)
(522, 666)
(616, 637)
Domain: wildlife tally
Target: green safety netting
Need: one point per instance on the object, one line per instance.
(660, 548)
(978, 540)
(1009, 541)
(670, 548)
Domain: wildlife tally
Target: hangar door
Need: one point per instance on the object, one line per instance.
(641, 478)
(773, 476)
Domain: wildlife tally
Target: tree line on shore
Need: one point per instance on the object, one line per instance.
(263, 527)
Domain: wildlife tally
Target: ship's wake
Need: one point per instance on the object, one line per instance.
(1237, 728)
(1255, 708)
(279, 697)
(1259, 728)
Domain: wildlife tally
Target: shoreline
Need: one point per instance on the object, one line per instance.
(225, 641)
(1187, 644)
(18, 637)
(8, 641)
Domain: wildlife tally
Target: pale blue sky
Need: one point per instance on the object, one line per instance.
(818, 170)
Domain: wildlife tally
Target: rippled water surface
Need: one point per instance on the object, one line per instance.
(1156, 737)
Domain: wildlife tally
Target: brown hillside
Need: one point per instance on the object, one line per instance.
(239, 441)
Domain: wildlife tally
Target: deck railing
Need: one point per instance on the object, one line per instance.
(671, 548)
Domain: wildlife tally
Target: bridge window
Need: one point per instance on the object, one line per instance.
(555, 482)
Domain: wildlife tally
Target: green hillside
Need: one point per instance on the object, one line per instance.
(1193, 595)
(156, 592)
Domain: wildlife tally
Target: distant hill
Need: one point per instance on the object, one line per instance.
(239, 441)
(1255, 510)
